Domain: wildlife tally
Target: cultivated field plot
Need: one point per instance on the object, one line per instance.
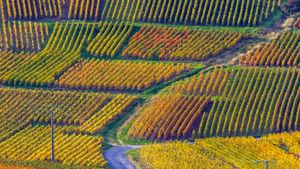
(89, 111)
(171, 116)
(119, 75)
(246, 101)
(23, 36)
(165, 43)
(62, 50)
(84, 9)
(225, 153)
(33, 9)
(198, 12)
(110, 39)
(282, 51)
(32, 144)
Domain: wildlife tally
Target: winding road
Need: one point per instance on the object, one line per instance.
(116, 157)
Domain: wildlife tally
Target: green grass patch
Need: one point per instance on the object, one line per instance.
(123, 133)
(110, 131)
(199, 27)
(134, 155)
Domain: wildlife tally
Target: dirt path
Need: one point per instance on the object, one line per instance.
(120, 129)
(116, 157)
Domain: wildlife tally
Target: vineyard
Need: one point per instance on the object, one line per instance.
(198, 12)
(84, 9)
(33, 9)
(170, 116)
(125, 10)
(96, 111)
(223, 153)
(89, 111)
(240, 105)
(28, 36)
(61, 52)
(155, 84)
(109, 39)
(282, 51)
(110, 112)
(30, 144)
(164, 43)
(104, 75)
(285, 139)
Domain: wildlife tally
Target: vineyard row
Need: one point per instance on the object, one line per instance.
(246, 101)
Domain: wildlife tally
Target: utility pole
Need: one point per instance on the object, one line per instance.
(52, 137)
(265, 161)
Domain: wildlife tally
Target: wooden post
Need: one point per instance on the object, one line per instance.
(52, 137)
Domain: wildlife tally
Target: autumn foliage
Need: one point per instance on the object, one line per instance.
(246, 101)
(33, 9)
(281, 51)
(118, 75)
(163, 43)
(225, 153)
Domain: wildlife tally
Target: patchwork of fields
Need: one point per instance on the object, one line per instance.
(197, 84)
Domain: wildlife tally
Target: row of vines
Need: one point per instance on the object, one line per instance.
(225, 153)
(32, 144)
(84, 9)
(118, 75)
(33, 9)
(109, 39)
(284, 50)
(171, 116)
(198, 12)
(247, 101)
(91, 112)
(23, 36)
(163, 43)
(62, 51)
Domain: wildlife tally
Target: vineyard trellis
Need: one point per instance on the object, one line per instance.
(23, 36)
(84, 9)
(198, 12)
(23, 107)
(220, 153)
(110, 39)
(163, 43)
(33, 9)
(247, 101)
(281, 51)
(62, 51)
(118, 75)
(31, 144)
